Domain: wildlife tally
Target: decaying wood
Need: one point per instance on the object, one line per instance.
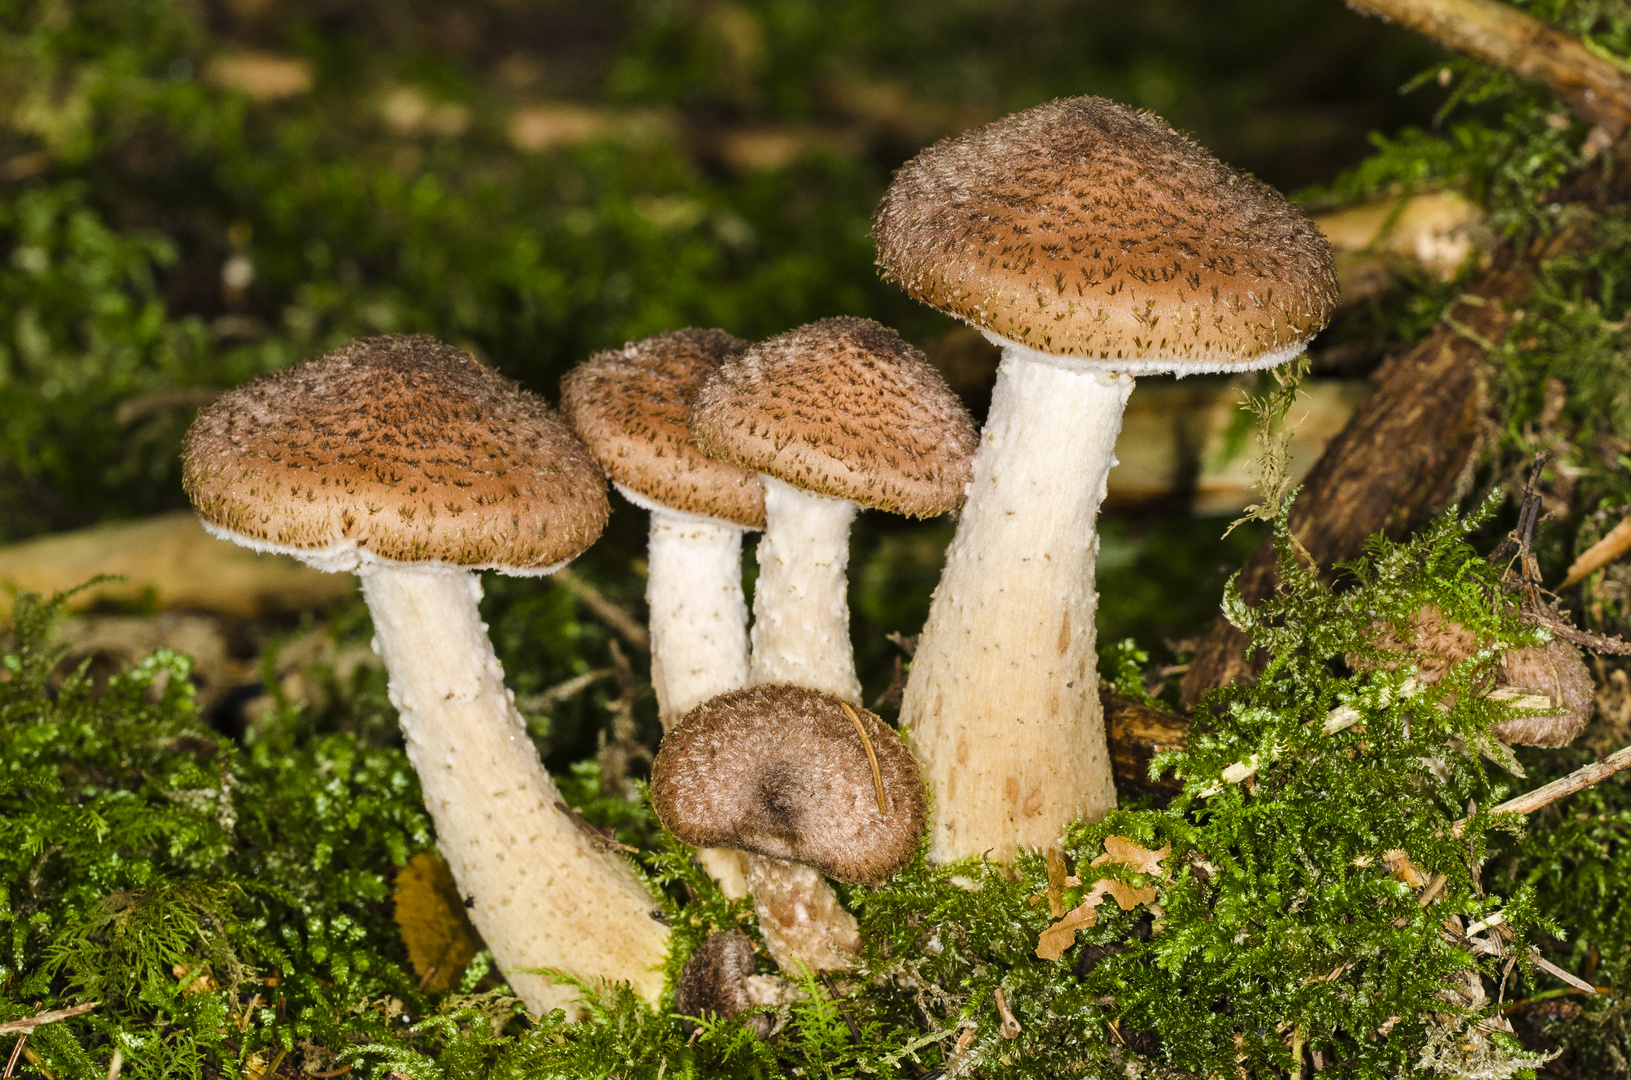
(28, 1024)
(170, 562)
(1401, 458)
(1595, 87)
(1136, 733)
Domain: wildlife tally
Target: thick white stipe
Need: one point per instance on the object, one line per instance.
(545, 895)
(801, 600)
(1002, 704)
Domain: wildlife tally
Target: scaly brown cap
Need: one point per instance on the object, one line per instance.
(398, 449)
(632, 406)
(782, 771)
(1086, 230)
(842, 407)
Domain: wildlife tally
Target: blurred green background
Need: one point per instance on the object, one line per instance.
(193, 192)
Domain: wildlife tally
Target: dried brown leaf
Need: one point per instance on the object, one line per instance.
(430, 913)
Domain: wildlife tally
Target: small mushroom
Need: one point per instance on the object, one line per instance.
(794, 774)
(1092, 243)
(403, 460)
(718, 980)
(837, 415)
(631, 407)
(1554, 670)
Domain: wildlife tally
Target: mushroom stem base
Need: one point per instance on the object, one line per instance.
(542, 892)
(1002, 703)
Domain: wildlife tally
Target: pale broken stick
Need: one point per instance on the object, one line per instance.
(1600, 554)
(1579, 780)
(28, 1024)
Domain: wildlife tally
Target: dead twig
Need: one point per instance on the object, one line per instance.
(1600, 554)
(617, 620)
(1595, 87)
(1010, 1028)
(1597, 643)
(24, 1026)
(1579, 780)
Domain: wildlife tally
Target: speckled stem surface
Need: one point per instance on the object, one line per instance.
(800, 916)
(801, 600)
(1002, 703)
(545, 895)
(699, 635)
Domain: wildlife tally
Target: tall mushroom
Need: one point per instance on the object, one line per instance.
(1093, 243)
(403, 460)
(631, 406)
(835, 414)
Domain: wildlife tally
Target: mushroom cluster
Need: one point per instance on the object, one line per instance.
(1092, 242)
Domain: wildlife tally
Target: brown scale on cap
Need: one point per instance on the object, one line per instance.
(1554, 670)
(402, 447)
(782, 771)
(842, 407)
(632, 406)
(1086, 229)
(715, 981)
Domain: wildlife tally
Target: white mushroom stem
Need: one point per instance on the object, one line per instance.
(1002, 703)
(699, 620)
(544, 893)
(699, 633)
(801, 600)
(801, 637)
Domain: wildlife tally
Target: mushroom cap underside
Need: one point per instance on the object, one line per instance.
(782, 771)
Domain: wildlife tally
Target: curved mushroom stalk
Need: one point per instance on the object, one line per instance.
(1002, 704)
(800, 916)
(543, 893)
(801, 600)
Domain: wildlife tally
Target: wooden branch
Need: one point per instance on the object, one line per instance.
(1600, 554)
(28, 1024)
(1136, 733)
(1399, 460)
(1564, 786)
(1596, 88)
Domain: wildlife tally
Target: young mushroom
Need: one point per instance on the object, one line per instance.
(1554, 671)
(810, 785)
(838, 414)
(1093, 243)
(631, 406)
(718, 980)
(403, 460)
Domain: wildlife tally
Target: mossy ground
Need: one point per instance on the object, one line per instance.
(224, 892)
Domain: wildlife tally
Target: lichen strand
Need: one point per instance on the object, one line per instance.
(781, 771)
(1086, 229)
(842, 407)
(632, 407)
(402, 447)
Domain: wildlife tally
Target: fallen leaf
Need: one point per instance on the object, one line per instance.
(1056, 881)
(1062, 934)
(1399, 863)
(430, 913)
(1125, 895)
(194, 978)
(1118, 849)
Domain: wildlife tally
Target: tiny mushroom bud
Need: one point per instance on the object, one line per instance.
(794, 774)
(403, 460)
(1554, 670)
(1093, 243)
(718, 980)
(631, 406)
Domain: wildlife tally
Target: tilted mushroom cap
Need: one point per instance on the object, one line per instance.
(1088, 230)
(781, 771)
(842, 407)
(632, 406)
(717, 980)
(1553, 670)
(394, 449)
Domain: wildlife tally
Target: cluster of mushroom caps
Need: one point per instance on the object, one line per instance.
(1092, 242)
